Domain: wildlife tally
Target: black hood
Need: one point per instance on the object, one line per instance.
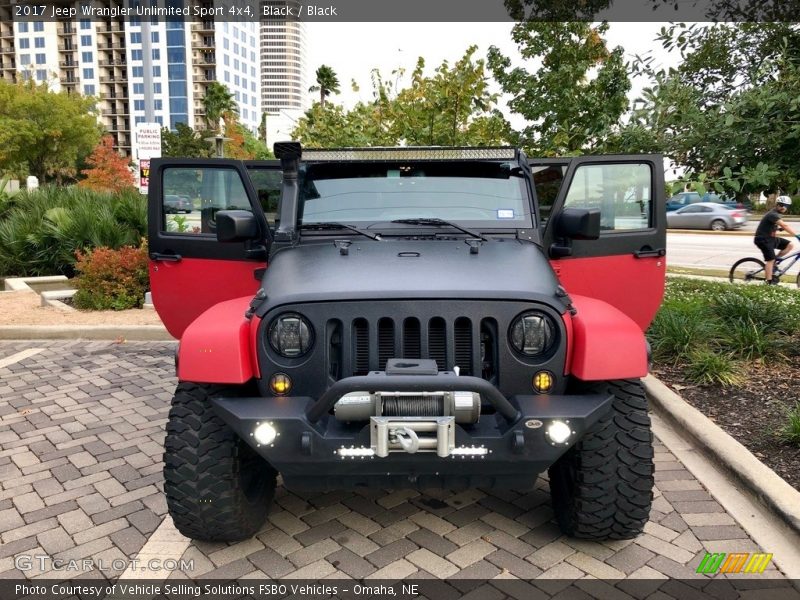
(409, 269)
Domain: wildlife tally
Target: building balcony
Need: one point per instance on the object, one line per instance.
(65, 31)
(111, 63)
(8, 34)
(204, 43)
(111, 46)
(205, 26)
(207, 60)
(7, 50)
(115, 96)
(67, 47)
(69, 80)
(121, 79)
(109, 27)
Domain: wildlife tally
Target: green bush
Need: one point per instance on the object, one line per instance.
(708, 367)
(111, 279)
(41, 230)
(750, 322)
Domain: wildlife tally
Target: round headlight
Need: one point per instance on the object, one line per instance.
(532, 334)
(290, 335)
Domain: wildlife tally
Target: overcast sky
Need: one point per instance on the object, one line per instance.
(354, 49)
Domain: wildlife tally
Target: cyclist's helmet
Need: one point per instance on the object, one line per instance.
(783, 201)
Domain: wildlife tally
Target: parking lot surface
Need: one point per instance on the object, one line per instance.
(81, 432)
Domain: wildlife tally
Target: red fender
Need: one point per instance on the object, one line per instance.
(215, 347)
(607, 344)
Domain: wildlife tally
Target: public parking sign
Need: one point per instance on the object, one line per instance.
(148, 145)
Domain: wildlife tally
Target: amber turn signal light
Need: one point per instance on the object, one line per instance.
(543, 382)
(280, 384)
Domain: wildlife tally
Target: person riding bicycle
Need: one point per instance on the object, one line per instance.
(766, 237)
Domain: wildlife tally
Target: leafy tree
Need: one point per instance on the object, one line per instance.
(242, 143)
(218, 102)
(184, 142)
(576, 95)
(42, 132)
(108, 172)
(729, 111)
(327, 83)
(451, 107)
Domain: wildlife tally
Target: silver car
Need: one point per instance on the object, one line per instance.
(707, 215)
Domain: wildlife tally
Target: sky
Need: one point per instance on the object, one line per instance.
(354, 49)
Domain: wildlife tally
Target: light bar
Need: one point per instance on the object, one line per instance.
(354, 452)
(409, 153)
(464, 451)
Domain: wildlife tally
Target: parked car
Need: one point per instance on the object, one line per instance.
(682, 199)
(386, 332)
(707, 215)
(176, 204)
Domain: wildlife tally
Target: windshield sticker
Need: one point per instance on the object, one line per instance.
(505, 213)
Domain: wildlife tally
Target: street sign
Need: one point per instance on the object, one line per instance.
(148, 140)
(144, 175)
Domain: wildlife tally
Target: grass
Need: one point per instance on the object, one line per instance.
(708, 367)
(791, 431)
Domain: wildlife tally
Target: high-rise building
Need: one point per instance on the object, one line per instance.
(284, 88)
(105, 59)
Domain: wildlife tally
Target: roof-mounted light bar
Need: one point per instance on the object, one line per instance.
(409, 153)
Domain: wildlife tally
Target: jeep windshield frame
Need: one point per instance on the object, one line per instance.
(479, 195)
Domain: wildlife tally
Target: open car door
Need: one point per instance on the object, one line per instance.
(190, 271)
(626, 266)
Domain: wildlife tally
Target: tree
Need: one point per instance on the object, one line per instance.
(184, 142)
(109, 171)
(242, 143)
(44, 133)
(327, 83)
(729, 111)
(576, 96)
(218, 102)
(450, 108)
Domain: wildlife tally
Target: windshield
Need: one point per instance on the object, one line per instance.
(488, 195)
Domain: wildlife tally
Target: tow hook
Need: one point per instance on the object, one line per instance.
(406, 437)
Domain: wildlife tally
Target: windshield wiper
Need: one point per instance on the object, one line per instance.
(440, 223)
(371, 236)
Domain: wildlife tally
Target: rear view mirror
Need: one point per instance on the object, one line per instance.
(236, 226)
(579, 223)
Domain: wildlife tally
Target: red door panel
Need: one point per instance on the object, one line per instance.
(626, 265)
(190, 271)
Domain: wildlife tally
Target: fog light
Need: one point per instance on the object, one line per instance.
(558, 432)
(280, 384)
(543, 382)
(265, 434)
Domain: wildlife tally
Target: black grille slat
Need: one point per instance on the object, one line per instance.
(437, 342)
(360, 347)
(462, 336)
(411, 339)
(385, 342)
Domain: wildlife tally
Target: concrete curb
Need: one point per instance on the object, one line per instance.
(762, 481)
(146, 333)
(709, 232)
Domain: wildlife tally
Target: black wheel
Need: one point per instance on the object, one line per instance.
(602, 488)
(747, 270)
(218, 489)
(718, 225)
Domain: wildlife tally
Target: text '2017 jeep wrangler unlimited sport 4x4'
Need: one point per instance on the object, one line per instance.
(420, 317)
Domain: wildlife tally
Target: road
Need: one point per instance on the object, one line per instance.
(710, 250)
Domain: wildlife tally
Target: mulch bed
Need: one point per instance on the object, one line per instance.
(752, 413)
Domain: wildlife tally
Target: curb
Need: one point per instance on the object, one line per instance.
(763, 482)
(709, 232)
(140, 333)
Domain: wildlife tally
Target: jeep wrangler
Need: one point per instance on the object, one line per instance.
(426, 317)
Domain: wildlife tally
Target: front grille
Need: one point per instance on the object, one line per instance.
(367, 344)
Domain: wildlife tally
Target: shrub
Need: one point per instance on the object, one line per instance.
(676, 331)
(41, 230)
(707, 367)
(752, 339)
(111, 279)
(791, 431)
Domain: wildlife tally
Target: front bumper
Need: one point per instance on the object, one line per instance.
(508, 447)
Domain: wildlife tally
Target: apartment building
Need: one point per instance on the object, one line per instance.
(105, 59)
(284, 86)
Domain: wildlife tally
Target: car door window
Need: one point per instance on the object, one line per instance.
(267, 183)
(622, 192)
(691, 209)
(208, 190)
(547, 180)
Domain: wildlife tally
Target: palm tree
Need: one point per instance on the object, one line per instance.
(218, 101)
(327, 83)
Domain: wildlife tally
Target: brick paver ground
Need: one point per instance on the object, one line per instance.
(81, 432)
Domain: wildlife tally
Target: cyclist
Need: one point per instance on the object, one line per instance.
(766, 237)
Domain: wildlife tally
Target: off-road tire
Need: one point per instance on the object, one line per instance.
(602, 488)
(217, 487)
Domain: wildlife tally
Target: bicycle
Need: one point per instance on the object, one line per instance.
(751, 270)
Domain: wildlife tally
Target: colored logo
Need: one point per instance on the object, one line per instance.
(735, 562)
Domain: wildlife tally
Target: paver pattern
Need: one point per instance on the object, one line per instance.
(81, 432)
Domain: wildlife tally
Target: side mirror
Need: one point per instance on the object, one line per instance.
(579, 223)
(236, 226)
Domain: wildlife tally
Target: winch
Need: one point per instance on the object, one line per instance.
(360, 406)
